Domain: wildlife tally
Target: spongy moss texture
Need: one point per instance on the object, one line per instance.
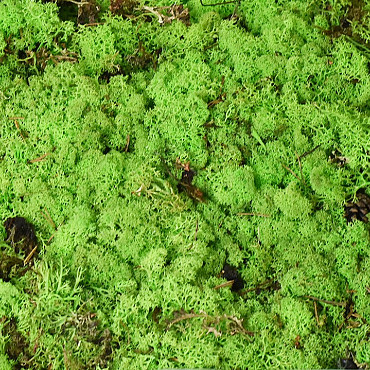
(259, 98)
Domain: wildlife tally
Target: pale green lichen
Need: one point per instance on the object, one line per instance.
(271, 114)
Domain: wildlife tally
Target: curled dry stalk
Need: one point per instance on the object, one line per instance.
(212, 323)
(167, 14)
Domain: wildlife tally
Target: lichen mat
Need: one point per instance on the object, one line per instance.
(184, 186)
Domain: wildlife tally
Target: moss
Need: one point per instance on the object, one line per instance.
(265, 104)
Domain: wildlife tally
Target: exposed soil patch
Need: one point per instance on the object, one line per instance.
(231, 274)
(20, 234)
(355, 14)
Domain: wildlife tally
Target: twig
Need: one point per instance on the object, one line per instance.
(224, 285)
(48, 218)
(127, 143)
(265, 285)
(316, 314)
(291, 171)
(196, 231)
(92, 24)
(78, 3)
(300, 167)
(28, 258)
(186, 316)
(15, 119)
(51, 238)
(252, 214)
(226, 2)
(39, 159)
(310, 151)
(333, 303)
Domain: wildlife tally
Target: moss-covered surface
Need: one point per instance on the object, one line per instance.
(161, 153)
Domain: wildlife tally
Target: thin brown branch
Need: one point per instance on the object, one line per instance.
(265, 285)
(291, 171)
(333, 303)
(253, 214)
(316, 314)
(39, 159)
(92, 24)
(48, 218)
(300, 167)
(224, 285)
(310, 151)
(225, 2)
(127, 143)
(239, 325)
(16, 123)
(196, 231)
(28, 258)
(186, 316)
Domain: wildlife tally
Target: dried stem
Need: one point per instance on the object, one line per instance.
(300, 167)
(333, 303)
(291, 171)
(253, 214)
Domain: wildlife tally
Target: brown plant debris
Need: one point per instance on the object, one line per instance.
(141, 58)
(167, 14)
(86, 328)
(221, 97)
(9, 266)
(16, 346)
(212, 324)
(122, 7)
(333, 303)
(337, 158)
(269, 284)
(41, 57)
(88, 12)
(358, 210)
(185, 183)
(16, 123)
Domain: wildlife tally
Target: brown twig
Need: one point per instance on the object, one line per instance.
(333, 303)
(291, 171)
(186, 316)
(225, 2)
(15, 119)
(28, 258)
(300, 167)
(265, 285)
(92, 24)
(252, 214)
(56, 230)
(127, 143)
(48, 218)
(39, 159)
(196, 231)
(224, 285)
(316, 314)
(310, 151)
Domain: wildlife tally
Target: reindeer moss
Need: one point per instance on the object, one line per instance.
(149, 153)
